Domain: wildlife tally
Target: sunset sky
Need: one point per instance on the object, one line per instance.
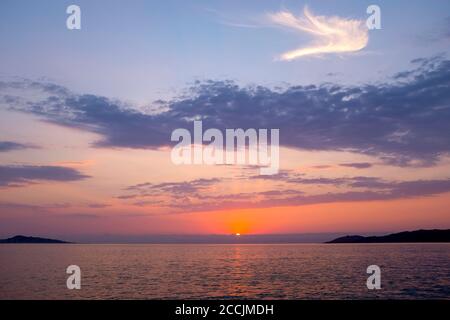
(86, 117)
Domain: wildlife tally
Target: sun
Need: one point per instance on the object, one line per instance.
(238, 234)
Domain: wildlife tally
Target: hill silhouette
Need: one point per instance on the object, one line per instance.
(407, 236)
(24, 239)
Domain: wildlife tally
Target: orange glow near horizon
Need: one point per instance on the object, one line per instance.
(349, 217)
(375, 216)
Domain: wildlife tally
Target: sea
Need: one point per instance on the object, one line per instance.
(225, 271)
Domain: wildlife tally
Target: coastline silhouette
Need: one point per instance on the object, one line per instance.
(416, 236)
(401, 237)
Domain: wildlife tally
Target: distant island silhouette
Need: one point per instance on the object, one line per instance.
(24, 239)
(407, 236)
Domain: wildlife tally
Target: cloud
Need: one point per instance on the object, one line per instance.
(17, 176)
(6, 146)
(300, 179)
(322, 166)
(357, 165)
(403, 122)
(203, 195)
(98, 205)
(175, 187)
(18, 206)
(331, 34)
(80, 216)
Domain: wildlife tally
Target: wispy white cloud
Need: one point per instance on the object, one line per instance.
(332, 34)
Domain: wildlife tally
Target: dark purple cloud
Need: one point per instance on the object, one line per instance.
(403, 122)
(174, 187)
(14, 176)
(357, 165)
(6, 146)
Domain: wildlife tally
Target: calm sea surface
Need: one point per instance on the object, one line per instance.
(297, 271)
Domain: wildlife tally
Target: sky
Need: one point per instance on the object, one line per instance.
(86, 117)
